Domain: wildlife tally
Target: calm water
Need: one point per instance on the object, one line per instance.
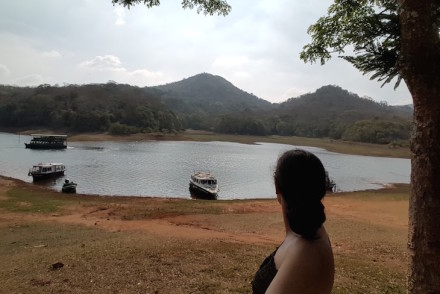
(163, 168)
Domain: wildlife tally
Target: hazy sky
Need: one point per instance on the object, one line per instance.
(256, 47)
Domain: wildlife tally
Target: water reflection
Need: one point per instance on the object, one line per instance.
(163, 169)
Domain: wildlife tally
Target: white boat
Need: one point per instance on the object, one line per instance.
(46, 170)
(203, 185)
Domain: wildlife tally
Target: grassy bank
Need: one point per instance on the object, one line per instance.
(148, 245)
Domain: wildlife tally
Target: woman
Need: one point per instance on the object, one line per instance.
(304, 261)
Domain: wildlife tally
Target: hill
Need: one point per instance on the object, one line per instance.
(208, 93)
(333, 100)
(334, 112)
(111, 107)
(202, 102)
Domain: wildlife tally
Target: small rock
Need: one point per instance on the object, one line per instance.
(56, 266)
(40, 246)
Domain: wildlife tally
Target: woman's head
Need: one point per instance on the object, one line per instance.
(300, 179)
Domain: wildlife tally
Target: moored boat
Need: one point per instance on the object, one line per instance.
(47, 142)
(69, 187)
(46, 170)
(203, 185)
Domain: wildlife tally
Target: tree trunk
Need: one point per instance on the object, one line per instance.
(420, 67)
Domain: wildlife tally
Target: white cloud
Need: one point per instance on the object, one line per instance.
(103, 63)
(52, 54)
(30, 80)
(144, 77)
(110, 67)
(292, 92)
(119, 12)
(4, 70)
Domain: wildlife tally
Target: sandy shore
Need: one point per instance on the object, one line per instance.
(157, 245)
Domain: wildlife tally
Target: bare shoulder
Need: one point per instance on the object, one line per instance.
(305, 266)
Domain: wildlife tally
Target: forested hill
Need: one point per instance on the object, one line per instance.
(207, 93)
(333, 100)
(336, 113)
(119, 109)
(210, 102)
(204, 102)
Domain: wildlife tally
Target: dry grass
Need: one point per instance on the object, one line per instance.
(147, 245)
(345, 147)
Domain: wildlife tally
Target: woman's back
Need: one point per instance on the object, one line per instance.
(304, 265)
(304, 261)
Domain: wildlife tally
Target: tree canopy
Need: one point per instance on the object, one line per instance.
(221, 7)
(367, 29)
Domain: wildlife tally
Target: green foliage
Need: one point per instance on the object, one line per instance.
(122, 129)
(203, 102)
(378, 131)
(233, 124)
(120, 109)
(210, 7)
(369, 27)
(329, 111)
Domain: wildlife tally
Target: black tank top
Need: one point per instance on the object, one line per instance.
(265, 274)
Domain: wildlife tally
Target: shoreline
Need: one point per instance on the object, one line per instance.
(387, 187)
(338, 146)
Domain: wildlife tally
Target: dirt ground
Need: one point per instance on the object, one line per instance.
(155, 245)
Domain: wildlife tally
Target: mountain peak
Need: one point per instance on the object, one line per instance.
(210, 93)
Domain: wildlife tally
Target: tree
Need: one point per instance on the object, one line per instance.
(419, 61)
(399, 39)
(221, 7)
(390, 39)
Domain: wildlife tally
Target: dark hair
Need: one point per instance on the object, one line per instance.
(300, 178)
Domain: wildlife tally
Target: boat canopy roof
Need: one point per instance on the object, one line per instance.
(204, 176)
(48, 164)
(48, 136)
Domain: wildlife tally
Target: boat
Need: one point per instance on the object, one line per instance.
(46, 170)
(68, 187)
(47, 142)
(203, 185)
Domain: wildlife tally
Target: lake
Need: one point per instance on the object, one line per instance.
(163, 168)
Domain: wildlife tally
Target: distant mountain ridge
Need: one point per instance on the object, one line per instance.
(204, 102)
(210, 102)
(334, 100)
(213, 94)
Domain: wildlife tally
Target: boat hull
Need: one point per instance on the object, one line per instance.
(40, 177)
(69, 189)
(44, 147)
(200, 193)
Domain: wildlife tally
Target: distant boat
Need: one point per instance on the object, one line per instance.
(203, 185)
(46, 170)
(47, 142)
(68, 187)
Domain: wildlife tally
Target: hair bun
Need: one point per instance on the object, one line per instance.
(305, 219)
